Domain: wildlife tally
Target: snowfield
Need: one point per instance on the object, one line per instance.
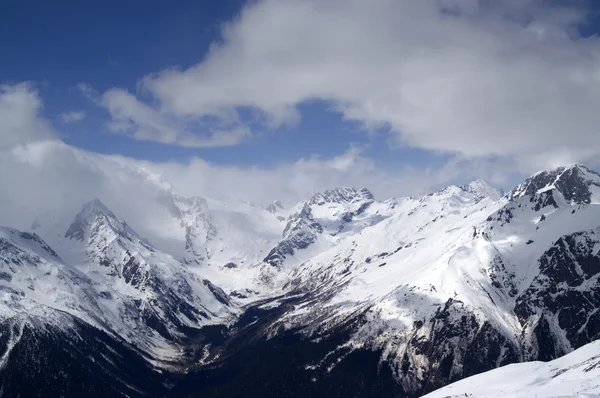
(575, 375)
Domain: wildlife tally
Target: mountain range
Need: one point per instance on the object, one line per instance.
(338, 295)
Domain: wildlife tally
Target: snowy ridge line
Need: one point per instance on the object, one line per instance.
(461, 280)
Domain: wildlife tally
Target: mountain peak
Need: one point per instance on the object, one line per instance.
(573, 181)
(274, 207)
(480, 187)
(90, 213)
(95, 205)
(342, 194)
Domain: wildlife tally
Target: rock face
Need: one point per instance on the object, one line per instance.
(274, 207)
(212, 233)
(301, 231)
(195, 218)
(365, 298)
(559, 308)
(342, 195)
(576, 183)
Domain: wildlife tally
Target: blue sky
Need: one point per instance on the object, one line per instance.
(444, 88)
(58, 45)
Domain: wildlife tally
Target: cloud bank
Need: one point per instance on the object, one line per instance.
(511, 79)
(19, 120)
(43, 176)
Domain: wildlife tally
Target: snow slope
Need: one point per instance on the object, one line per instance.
(456, 282)
(575, 375)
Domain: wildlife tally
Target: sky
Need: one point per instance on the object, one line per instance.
(275, 99)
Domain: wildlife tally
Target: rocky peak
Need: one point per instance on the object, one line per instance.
(342, 195)
(447, 191)
(303, 219)
(96, 206)
(92, 215)
(87, 216)
(574, 182)
(274, 207)
(194, 204)
(195, 217)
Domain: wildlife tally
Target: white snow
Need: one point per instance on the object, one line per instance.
(575, 375)
(482, 188)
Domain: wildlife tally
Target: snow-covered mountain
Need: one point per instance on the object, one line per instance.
(317, 224)
(457, 282)
(481, 188)
(103, 273)
(224, 242)
(406, 294)
(575, 375)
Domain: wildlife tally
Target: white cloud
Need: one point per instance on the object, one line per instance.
(142, 122)
(48, 178)
(19, 118)
(510, 79)
(72, 117)
(40, 173)
(298, 180)
(55, 177)
(48, 181)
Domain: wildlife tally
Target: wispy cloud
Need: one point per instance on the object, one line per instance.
(140, 121)
(72, 117)
(143, 122)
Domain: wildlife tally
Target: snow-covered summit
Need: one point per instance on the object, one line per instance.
(481, 188)
(106, 272)
(577, 183)
(453, 273)
(94, 216)
(342, 195)
(477, 189)
(318, 222)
